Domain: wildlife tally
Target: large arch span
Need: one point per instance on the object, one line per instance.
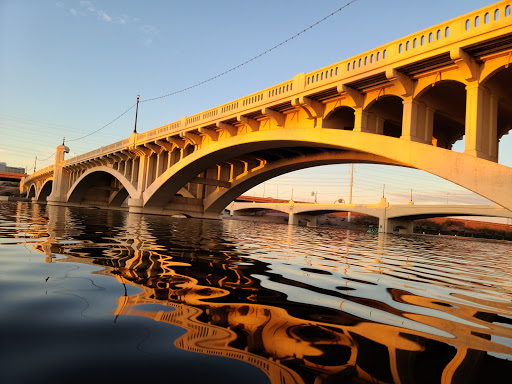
(99, 185)
(491, 181)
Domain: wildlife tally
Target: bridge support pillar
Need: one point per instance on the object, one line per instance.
(481, 137)
(418, 121)
(135, 205)
(294, 218)
(403, 226)
(60, 178)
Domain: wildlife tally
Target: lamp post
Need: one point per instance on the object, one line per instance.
(136, 112)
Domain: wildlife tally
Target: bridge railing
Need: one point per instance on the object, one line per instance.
(429, 39)
(40, 172)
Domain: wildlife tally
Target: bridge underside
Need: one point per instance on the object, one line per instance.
(204, 182)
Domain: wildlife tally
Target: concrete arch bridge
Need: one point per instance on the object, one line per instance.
(404, 103)
(389, 216)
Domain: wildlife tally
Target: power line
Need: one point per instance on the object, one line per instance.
(223, 73)
(105, 126)
(253, 58)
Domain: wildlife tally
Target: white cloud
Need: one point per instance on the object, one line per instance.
(73, 11)
(104, 16)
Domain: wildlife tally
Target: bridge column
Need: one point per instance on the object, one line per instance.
(481, 138)
(60, 185)
(417, 121)
(293, 219)
(405, 227)
(139, 176)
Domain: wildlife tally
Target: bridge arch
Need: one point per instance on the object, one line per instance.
(223, 196)
(341, 117)
(492, 182)
(31, 191)
(102, 186)
(385, 115)
(442, 111)
(45, 190)
(496, 82)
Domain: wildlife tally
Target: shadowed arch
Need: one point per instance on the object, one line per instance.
(447, 100)
(491, 181)
(99, 178)
(385, 115)
(339, 118)
(31, 191)
(222, 197)
(45, 191)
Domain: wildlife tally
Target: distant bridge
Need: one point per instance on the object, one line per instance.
(404, 103)
(11, 176)
(390, 216)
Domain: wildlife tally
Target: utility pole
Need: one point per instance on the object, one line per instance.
(35, 161)
(136, 112)
(349, 216)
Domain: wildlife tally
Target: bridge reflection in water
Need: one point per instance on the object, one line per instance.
(351, 313)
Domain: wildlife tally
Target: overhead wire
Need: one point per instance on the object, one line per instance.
(225, 72)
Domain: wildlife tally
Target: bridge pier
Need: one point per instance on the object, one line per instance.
(60, 178)
(135, 205)
(294, 218)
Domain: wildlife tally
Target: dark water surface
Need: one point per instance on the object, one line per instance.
(93, 296)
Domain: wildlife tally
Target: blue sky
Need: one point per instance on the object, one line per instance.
(69, 67)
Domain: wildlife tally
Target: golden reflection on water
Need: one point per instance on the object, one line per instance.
(299, 309)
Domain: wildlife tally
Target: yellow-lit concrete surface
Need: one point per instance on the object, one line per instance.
(404, 103)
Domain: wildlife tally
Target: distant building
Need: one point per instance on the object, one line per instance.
(5, 168)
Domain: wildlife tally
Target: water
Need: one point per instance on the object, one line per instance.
(103, 296)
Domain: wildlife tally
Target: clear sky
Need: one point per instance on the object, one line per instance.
(69, 67)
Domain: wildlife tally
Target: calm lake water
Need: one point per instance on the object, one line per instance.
(94, 296)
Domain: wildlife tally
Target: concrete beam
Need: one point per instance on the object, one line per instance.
(164, 144)
(313, 108)
(356, 96)
(278, 118)
(180, 143)
(254, 125)
(206, 181)
(231, 129)
(155, 148)
(401, 81)
(466, 63)
(192, 137)
(212, 134)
